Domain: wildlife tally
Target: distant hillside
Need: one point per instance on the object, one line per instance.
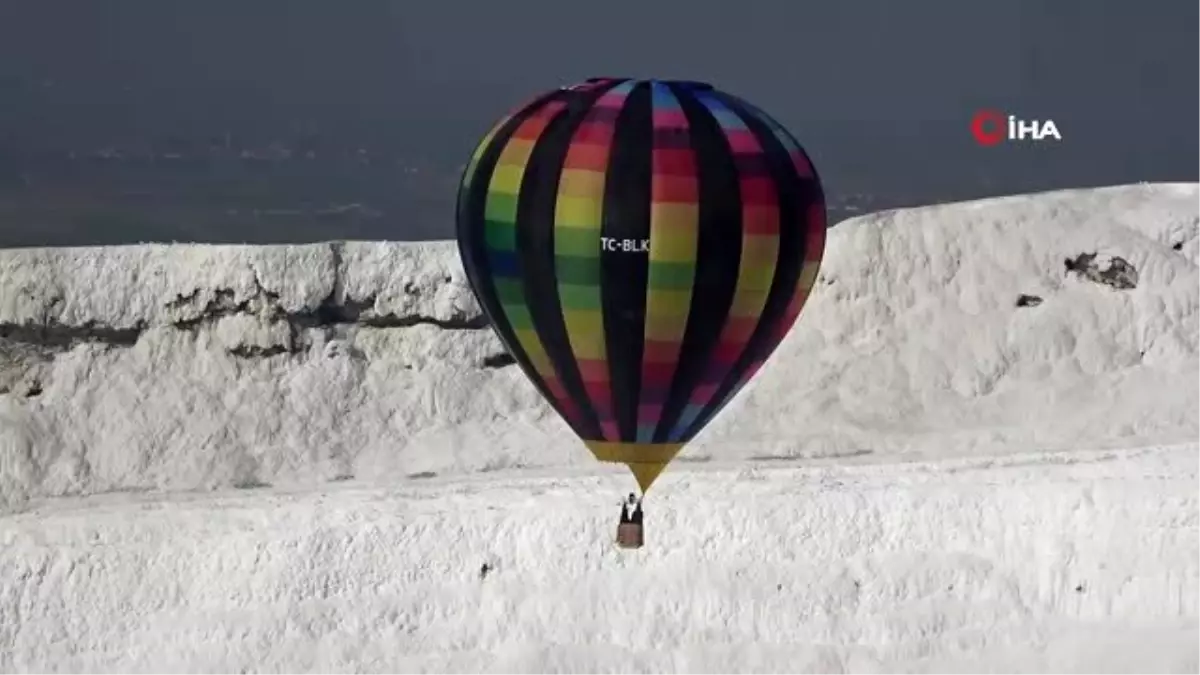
(184, 367)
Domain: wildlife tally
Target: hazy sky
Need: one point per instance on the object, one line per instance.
(388, 67)
(865, 84)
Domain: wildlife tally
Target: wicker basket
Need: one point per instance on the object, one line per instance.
(630, 535)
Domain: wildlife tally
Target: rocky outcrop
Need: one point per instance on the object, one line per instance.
(132, 346)
(1113, 271)
(285, 291)
(256, 306)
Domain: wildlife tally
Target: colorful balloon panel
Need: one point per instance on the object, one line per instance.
(641, 247)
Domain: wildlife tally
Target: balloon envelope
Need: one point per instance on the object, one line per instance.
(641, 247)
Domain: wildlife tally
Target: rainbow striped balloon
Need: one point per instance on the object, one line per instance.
(641, 247)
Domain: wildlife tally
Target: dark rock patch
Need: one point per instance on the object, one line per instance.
(1115, 272)
(502, 360)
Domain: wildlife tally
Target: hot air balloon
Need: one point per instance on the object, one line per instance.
(641, 247)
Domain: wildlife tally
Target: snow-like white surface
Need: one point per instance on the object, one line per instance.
(921, 478)
(911, 346)
(1080, 563)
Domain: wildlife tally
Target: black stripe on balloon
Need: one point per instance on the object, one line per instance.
(472, 245)
(718, 255)
(626, 218)
(536, 204)
(795, 196)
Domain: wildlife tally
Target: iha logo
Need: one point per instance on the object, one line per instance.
(991, 127)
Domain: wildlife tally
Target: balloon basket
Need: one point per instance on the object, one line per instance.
(630, 535)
